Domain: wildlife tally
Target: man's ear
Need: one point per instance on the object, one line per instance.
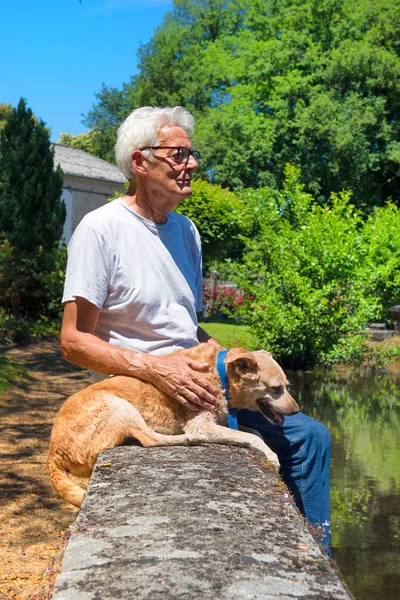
(243, 362)
(138, 162)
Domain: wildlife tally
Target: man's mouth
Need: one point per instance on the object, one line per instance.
(269, 413)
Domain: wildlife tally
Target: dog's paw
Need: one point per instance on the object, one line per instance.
(273, 459)
(269, 454)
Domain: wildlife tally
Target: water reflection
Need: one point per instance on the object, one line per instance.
(363, 416)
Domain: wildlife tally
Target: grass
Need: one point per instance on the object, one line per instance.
(230, 334)
(10, 373)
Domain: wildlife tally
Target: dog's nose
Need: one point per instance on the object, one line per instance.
(295, 407)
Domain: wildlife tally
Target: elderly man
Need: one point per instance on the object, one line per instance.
(133, 287)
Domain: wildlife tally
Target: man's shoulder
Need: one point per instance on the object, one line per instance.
(103, 222)
(106, 211)
(104, 218)
(188, 230)
(181, 220)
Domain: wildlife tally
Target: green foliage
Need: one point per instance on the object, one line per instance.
(315, 276)
(22, 330)
(51, 279)
(314, 82)
(31, 222)
(17, 279)
(220, 217)
(5, 109)
(381, 235)
(31, 286)
(10, 372)
(83, 141)
(31, 212)
(224, 300)
(224, 267)
(376, 358)
(112, 107)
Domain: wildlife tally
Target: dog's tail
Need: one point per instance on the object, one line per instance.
(70, 490)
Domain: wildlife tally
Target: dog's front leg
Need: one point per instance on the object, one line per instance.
(250, 430)
(210, 432)
(272, 457)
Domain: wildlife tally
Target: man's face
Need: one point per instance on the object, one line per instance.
(168, 176)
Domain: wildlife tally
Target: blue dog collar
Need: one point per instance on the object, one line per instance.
(221, 369)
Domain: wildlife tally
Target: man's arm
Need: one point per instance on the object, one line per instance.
(177, 376)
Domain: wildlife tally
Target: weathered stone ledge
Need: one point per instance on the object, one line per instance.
(191, 523)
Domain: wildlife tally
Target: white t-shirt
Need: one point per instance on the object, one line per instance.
(145, 278)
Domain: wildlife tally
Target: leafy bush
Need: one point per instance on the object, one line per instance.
(30, 292)
(316, 275)
(381, 234)
(220, 217)
(224, 300)
(24, 329)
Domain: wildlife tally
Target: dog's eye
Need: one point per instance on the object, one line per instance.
(277, 389)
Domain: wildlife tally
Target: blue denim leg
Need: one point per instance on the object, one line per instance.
(303, 446)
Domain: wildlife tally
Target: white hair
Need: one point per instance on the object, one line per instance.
(142, 129)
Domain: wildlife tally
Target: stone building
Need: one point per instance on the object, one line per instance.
(88, 183)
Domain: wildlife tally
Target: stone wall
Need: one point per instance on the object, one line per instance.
(192, 523)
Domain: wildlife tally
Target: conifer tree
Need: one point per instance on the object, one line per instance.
(31, 211)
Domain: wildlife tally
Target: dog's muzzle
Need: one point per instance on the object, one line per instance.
(269, 413)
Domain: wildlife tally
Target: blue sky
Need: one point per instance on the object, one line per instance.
(57, 53)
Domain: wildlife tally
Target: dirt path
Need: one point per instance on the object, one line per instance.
(34, 520)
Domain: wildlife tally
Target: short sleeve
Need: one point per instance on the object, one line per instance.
(89, 267)
(199, 279)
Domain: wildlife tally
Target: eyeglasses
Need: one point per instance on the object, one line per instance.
(182, 154)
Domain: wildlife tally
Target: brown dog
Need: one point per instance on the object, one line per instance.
(117, 409)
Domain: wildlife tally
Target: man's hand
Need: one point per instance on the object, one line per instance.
(179, 377)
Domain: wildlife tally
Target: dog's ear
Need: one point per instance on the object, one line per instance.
(243, 362)
(263, 352)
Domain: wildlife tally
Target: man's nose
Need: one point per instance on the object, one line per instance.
(192, 163)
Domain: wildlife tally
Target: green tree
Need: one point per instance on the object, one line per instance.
(312, 82)
(84, 141)
(112, 107)
(4, 111)
(31, 218)
(31, 211)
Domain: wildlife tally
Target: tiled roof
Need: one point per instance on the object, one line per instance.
(74, 161)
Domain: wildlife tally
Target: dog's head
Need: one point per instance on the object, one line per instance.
(257, 382)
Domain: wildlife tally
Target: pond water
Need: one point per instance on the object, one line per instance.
(363, 416)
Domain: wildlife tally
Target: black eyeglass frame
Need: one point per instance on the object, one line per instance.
(196, 155)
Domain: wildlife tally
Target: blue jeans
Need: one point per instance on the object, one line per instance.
(303, 447)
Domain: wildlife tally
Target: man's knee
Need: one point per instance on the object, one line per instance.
(318, 435)
(305, 430)
(324, 434)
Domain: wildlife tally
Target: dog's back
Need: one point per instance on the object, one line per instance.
(103, 407)
(109, 413)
